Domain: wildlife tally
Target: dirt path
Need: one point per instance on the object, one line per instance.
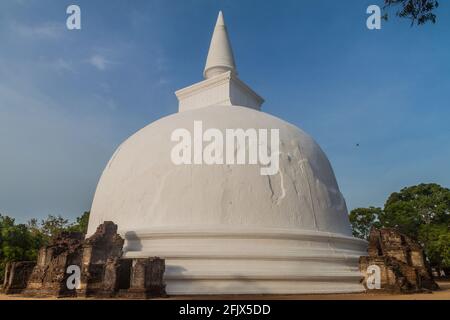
(443, 294)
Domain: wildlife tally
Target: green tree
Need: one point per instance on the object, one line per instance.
(362, 219)
(436, 242)
(81, 225)
(53, 225)
(416, 206)
(38, 237)
(418, 11)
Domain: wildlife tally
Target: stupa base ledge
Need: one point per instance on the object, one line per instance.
(233, 287)
(252, 262)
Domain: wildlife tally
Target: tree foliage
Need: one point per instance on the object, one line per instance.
(416, 206)
(81, 224)
(418, 11)
(422, 212)
(362, 219)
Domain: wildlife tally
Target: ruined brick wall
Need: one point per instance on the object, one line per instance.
(49, 275)
(103, 273)
(401, 260)
(17, 275)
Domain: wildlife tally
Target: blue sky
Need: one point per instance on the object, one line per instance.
(69, 98)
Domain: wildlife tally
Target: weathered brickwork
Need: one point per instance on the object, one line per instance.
(49, 276)
(17, 275)
(401, 260)
(103, 273)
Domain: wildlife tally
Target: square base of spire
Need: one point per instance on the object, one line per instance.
(225, 89)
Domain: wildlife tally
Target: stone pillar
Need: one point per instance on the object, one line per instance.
(147, 278)
(137, 279)
(154, 277)
(111, 277)
(6, 276)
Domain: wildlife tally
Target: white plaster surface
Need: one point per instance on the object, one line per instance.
(141, 187)
(224, 89)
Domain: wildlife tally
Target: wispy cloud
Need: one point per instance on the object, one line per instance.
(99, 62)
(63, 65)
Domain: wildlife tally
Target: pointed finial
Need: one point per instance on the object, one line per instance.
(220, 56)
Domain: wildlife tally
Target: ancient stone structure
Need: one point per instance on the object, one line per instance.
(227, 228)
(100, 255)
(145, 278)
(102, 271)
(49, 276)
(16, 276)
(401, 261)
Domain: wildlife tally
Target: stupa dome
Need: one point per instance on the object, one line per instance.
(142, 188)
(227, 228)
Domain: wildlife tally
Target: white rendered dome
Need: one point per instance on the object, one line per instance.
(227, 228)
(142, 188)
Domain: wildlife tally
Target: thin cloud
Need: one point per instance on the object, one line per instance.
(63, 65)
(99, 62)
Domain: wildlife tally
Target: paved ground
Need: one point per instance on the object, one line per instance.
(443, 294)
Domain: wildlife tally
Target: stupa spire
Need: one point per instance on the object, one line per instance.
(220, 56)
(221, 85)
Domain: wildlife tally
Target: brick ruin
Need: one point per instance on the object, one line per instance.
(103, 273)
(402, 262)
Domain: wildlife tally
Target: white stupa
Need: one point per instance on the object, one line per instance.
(227, 228)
